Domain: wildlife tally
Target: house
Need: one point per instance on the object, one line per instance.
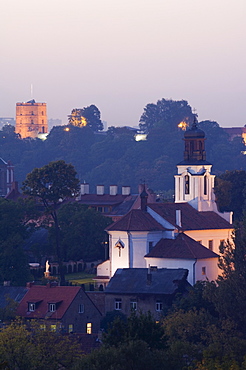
(187, 233)
(6, 177)
(143, 290)
(62, 308)
(10, 297)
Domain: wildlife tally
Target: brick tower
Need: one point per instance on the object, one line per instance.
(31, 119)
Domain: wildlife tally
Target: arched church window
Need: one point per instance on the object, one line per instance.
(187, 184)
(205, 187)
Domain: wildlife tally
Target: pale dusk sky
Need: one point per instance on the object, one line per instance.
(122, 55)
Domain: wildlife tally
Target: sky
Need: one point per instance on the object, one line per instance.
(122, 55)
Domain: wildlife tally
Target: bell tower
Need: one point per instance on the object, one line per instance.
(194, 182)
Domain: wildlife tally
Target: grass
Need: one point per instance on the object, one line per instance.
(80, 278)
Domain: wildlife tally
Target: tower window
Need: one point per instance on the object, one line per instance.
(187, 184)
(203, 270)
(210, 244)
(205, 185)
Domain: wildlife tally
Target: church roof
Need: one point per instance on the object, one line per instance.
(136, 220)
(182, 247)
(135, 280)
(191, 219)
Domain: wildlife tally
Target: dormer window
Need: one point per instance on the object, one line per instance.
(52, 307)
(31, 307)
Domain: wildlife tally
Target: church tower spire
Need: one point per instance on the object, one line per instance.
(194, 144)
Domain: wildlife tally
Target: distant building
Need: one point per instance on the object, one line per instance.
(236, 132)
(6, 177)
(31, 119)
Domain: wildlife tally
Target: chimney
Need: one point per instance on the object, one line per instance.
(149, 276)
(126, 190)
(178, 217)
(113, 189)
(100, 189)
(84, 189)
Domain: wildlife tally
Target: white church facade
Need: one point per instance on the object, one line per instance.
(184, 234)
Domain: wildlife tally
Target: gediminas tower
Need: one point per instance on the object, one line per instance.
(31, 119)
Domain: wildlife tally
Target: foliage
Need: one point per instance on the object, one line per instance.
(81, 232)
(170, 112)
(14, 229)
(23, 347)
(135, 355)
(90, 116)
(230, 191)
(52, 184)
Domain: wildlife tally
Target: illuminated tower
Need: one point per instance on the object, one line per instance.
(31, 119)
(194, 182)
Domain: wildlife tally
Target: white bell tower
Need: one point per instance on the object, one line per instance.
(194, 182)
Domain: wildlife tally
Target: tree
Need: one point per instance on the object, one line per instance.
(90, 116)
(171, 112)
(51, 184)
(82, 232)
(15, 227)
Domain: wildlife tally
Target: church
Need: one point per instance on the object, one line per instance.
(185, 234)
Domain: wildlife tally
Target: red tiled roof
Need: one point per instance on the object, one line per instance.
(136, 220)
(191, 219)
(183, 247)
(45, 295)
(104, 199)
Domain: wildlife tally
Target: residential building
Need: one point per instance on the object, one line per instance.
(60, 308)
(143, 290)
(6, 177)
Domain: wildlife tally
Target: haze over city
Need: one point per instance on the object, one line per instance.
(121, 56)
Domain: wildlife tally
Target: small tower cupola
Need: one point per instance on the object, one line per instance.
(194, 144)
(144, 200)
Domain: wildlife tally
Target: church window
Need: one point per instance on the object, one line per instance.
(205, 185)
(204, 270)
(158, 306)
(211, 244)
(118, 304)
(151, 246)
(187, 184)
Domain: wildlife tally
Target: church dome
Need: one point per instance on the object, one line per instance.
(194, 132)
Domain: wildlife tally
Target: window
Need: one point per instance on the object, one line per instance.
(70, 328)
(81, 308)
(158, 306)
(205, 185)
(151, 246)
(100, 209)
(53, 327)
(31, 307)
(203, 270)
(117, 304)
(43, 327)
(210, 244)
(89, 328)
(187, 184)
(133, 305)
(222, 243)
(52, 307)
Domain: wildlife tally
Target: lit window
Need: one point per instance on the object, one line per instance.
(159, 306)
(117, 304)
(53, 327)
(70, 328)
(89, 328)
(52, 307)
(31, 307)
(210, 244)
(203, 270)
(133, 305)
(81, 308)
(43, 327)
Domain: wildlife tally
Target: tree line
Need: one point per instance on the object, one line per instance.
(115, 157)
